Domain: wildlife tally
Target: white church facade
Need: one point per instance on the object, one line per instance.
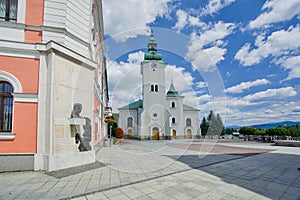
(161, 114)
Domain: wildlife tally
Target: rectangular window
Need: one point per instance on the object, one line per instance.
(8, 10)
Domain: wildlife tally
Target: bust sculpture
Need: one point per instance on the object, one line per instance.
(77, 107)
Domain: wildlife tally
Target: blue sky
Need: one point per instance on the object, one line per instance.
(239, 58)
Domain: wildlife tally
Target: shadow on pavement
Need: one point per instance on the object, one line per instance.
(273, 175)
(74, 170)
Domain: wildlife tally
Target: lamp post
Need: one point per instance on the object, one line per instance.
(110, 135)
(108, 120)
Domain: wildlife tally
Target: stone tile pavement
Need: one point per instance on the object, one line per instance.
(154, 170)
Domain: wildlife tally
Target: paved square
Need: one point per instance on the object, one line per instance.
(177, 169)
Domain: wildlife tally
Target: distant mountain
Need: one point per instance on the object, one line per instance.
(274, 125)
(234, 127)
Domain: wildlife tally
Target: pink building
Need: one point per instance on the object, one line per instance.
(51, 57)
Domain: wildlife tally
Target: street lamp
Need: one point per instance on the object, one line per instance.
(108, 120)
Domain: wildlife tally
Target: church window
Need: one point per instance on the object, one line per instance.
(173, 120)
(8, 10)
(173, 105)
(129, 122)
(6, 106)
(188, 122)
(152, 88)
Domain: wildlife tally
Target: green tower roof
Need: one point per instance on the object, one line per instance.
(133, 106)
(152, 53)
(172, 91)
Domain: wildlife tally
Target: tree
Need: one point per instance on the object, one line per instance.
(229, 131)
(259, 132)
(280, 131)
(294, 130)
(247, 131)
(211, 119)
(204, 126)
(112, 124)
(216, 126)
(219, 125)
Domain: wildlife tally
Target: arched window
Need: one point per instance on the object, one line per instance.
(129, 122)
(173, 104)
(152, 88)
(6, 106)
(173, 120)
(188, 122)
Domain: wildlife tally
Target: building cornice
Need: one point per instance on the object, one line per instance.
(25, 97)
(68, 53)
(33, 50)
(7, 136)
(52, 29)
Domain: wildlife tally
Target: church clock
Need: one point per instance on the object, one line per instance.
(153, 64)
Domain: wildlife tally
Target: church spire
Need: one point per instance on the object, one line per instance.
(152, 53)
(172, 91)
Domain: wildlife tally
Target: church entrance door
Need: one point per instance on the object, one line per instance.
(189, 134)
(174, 134)
(129, 133)
(155, 133)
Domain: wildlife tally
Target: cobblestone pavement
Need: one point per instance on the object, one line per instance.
(176, 169)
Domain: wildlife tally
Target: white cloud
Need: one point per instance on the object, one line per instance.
(292, 64)
(246, 85)
(124, 19)
(276, 11)
(202, 84)
(279, 43)
(204, 60)
(214, 6)
(261, 115)
(182, 80)
(195, 21)
(271, 95)
(206, 49)
(296, 109)
(204, 98)
(248, 110)
(182, 17)
(124, 80)
(218, 31)
(136, 57)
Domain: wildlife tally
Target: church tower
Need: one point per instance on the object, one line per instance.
(160, 114)
(154, 92)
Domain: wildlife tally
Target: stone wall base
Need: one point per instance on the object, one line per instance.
(16, 162)
(62, 161)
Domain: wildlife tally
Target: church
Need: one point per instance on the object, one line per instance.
(161, 114)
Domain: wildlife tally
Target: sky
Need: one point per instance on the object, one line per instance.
(239, 58)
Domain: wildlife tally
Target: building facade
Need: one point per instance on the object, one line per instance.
(51, 58)
(161, 114)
